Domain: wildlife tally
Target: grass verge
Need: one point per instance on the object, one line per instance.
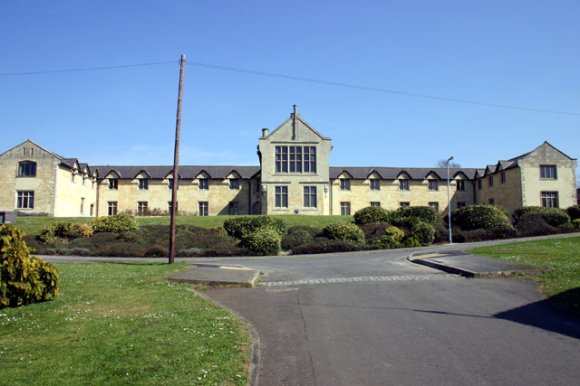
(123, 324)
(32, 225)
(557, 260)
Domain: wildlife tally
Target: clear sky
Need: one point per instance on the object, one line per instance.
(510, 52)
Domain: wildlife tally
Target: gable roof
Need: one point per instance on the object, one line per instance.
(296, 115)
(185, 171)
(391, 173)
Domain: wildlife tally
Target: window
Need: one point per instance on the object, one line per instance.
(434, 205)
(113, 184)
(490, 181)
(433, 185)
(375, 184)
(170, 184)
(234, 183)
(491, 201)
(25, 199)
(204, 184)
(295, 159)
(345, 208)
(82, 205)
(460, 185)
(344, 184)
(27, 169)
(460, 204)
(404, 184)
(310, 196)
(479, 184)
(550, 199)
(112, 208)
(502, 178)
(376, 204)
(143, 183)
(203, 208)
(234, 208)
(281, 193)
(142, 208)
(403, 204)
(548, 172)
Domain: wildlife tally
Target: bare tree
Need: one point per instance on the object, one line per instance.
(443, 164)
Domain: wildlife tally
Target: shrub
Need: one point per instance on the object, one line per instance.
(156, 251)
(64, 230)
(534, 224)
(574, 212)
(119, 223)
(371, 214)
(23, 279)
(323, 245)
(374, 231)
(441, 232)
(296, 238)
(344, 232)
(553, 216)
(412, 242)
(481, 217)
(264, 241)
(241, 226)
(414, 213)
(423, 232)
(482, 234)
(391, 238)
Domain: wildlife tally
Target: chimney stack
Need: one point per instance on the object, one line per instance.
(265, 132)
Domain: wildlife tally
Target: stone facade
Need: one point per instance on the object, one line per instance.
(294, 177)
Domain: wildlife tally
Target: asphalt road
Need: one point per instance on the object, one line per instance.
(373, 318)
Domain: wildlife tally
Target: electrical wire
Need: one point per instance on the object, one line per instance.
(299, 79)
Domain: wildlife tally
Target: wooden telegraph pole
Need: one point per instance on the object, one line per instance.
(176, 165)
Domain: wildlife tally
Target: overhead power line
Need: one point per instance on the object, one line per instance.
(301, 79)
(86, 69)
(378, 89)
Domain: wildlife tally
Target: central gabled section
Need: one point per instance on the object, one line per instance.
(294, 166)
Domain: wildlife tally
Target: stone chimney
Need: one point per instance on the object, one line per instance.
(265, 132)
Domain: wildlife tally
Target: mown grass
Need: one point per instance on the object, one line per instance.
(119, 324)
(557, 262)
(32, 225)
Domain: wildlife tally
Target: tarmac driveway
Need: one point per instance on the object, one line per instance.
(373, 318)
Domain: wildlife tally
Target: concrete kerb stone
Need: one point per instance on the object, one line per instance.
(442, 267)
(218, 276)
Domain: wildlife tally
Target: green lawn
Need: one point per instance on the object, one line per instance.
(558, 263)
(32, 225)
(119, 324)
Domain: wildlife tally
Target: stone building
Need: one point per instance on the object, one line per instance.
(294, 177)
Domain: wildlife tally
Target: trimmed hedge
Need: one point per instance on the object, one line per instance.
(423, 232)
(117, 224)
(323, 245)
(23, 279)
(241, 226)
(412, 213)
(553, 216)
(481, 217)
(264, 241)
(371, 214)
(534, 224)
(574, 212)
(344, 232)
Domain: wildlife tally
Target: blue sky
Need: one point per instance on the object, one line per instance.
(517, 53)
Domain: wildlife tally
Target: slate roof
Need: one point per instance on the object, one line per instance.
(391, 173)
(185, 171)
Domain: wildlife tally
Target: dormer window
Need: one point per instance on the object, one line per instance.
(143, 184)
(27, 169)
(403, 184)
(113, 184)
(345, 184)
(234, 183)
(433, 185)
(204, 184)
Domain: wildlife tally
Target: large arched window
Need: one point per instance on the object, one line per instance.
(27, 169)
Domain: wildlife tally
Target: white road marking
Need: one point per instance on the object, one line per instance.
(361, 279)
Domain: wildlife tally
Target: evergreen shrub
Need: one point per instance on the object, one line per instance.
(117, 224)
(409, 214)
(534, 224)
(553, 216)
(481, 217)
(574, 212)
(344, 232)
(65, 230)
(264, 241)
(23, 279)
(241, 226)
(423, 232)
(392, 238)
(372, 214)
